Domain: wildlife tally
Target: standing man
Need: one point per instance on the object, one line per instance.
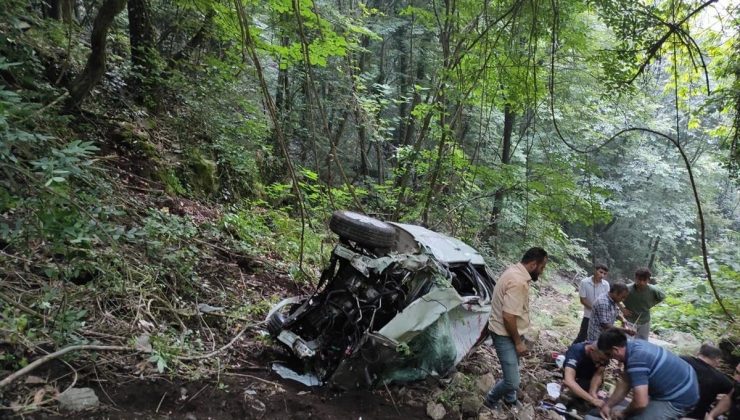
(712, 382)
(642, 296)
(606, 312)
(510, 320)
(663, 385)
(591, 288)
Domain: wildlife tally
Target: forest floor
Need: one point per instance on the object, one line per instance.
(247, 388)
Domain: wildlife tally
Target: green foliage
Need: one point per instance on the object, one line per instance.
(321, 41)
(167, 240)
(690, 304)
(275, 232)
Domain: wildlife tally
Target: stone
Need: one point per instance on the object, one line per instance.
(485, 382)
(458, 378)
(470, 405)
(526, 413)
(78, 399)
(436, 411)
(685, 343)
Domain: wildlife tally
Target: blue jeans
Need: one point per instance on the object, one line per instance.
(506, 387)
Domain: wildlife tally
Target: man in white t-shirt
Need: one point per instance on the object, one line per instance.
(591, 288)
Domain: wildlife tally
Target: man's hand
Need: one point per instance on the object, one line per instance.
(521, 348)
(597, 402)
(629, 331)
(617, 415)
(605, 412)
(626, 312)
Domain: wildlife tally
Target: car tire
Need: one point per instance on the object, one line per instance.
(362, 229)
(275, 324)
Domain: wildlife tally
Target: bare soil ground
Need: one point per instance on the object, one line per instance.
(246, 388)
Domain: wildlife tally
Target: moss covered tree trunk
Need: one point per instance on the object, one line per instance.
(143, 50)
(95, 67)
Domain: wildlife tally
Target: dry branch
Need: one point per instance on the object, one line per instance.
(40, 361)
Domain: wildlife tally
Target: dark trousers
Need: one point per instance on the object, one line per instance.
(583, 332)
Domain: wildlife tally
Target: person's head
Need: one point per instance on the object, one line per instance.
(535, 260)
(710, 355)
(642, 277)
(600, 272)
(595, 354)
(613, 342)
(618, 292)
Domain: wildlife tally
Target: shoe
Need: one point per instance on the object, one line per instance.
(513, 406)
(491, 406)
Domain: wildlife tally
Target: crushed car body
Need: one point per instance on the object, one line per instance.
(396, 302)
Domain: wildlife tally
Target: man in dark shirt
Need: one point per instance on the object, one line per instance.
(730, 403)
(584, 371)
(711, 381)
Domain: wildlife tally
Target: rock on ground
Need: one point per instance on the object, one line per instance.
(78, 399)
(436, 411)
(470, 405)
(485, 382)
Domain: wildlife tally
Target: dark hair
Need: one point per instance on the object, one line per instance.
(643, 273)
(710, 352)
(618, 288)
(534, 254)
(612, 337)
(601, 266)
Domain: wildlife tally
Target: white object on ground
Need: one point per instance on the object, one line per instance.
(553, 390)
(288, 373)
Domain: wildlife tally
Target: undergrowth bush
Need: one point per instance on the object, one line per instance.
(690, 304)
(277, 233)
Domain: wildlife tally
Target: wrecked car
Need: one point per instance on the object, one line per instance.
(397, 302)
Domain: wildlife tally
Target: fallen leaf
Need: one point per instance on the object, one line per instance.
(31, 379)
(143, 344)
(38, 397)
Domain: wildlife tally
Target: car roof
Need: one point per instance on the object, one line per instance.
(444, 248)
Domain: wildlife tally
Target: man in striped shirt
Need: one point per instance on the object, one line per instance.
(664, 386)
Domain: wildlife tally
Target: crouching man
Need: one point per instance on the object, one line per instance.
(584, 371)
(664, 386)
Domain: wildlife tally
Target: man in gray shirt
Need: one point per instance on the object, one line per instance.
(591, 288)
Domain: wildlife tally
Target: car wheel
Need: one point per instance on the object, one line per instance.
(362, 229)
(275, 324)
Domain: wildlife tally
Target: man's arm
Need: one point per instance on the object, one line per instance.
(620, 392)
(585, 303)
(628, 331)
(570, 382)
(640, 400)
(722, 407)
(659, 295)
(596, 382)
(513, 331)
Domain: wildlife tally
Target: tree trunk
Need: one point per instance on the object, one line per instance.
(60, 10)
(141, 37)
(404, 71)
(500, 195)
(360, 119)
(653, 252)
(198, 39)
(95, 67)
(444, 40)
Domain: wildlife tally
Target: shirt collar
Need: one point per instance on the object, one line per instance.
(523, 269)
